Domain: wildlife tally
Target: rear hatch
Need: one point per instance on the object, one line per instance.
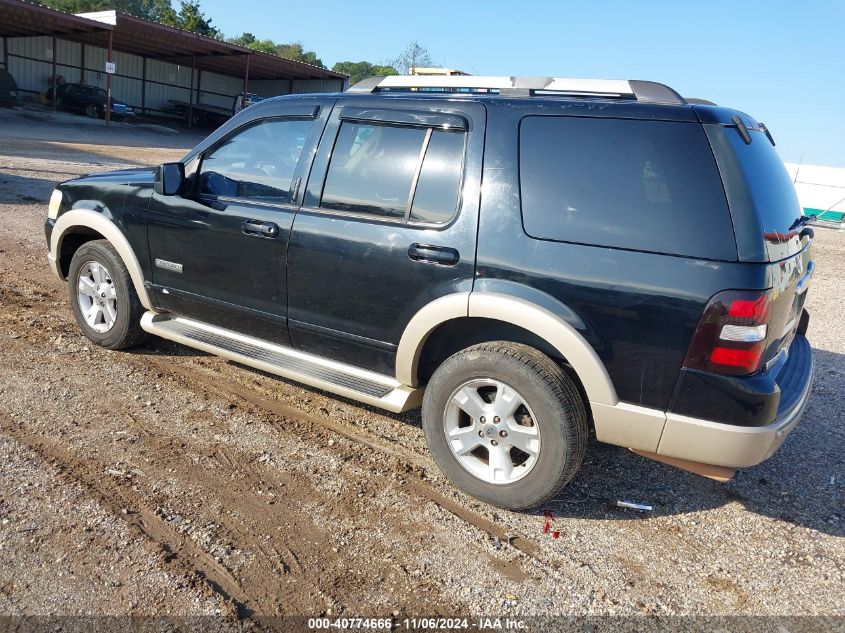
(768, 221)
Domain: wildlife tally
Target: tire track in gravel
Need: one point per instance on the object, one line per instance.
(417, 466)
(273, 583)
(412, 465)
(178, 552)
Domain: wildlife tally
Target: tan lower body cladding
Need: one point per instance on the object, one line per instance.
(712, 449)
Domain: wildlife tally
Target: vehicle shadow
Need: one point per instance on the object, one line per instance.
(156, 346)
(25, 190)
(802, 483)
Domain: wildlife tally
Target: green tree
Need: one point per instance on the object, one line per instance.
(361, 70)
(189, 16)
(250, 41)
(297, 52)
(294, 50)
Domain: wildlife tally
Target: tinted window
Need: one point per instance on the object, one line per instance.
(758, 184)
(438, 187)
(643, 185)
(257, 163)
(372, 169)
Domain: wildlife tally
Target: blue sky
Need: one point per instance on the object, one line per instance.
(781, 61)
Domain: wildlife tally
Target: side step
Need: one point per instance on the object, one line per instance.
(339, 378)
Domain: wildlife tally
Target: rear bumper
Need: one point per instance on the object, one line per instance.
(740, 446)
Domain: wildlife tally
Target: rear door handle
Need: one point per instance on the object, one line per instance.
(261, 229)
(430, 254)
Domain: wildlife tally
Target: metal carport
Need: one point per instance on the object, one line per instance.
(150, 57)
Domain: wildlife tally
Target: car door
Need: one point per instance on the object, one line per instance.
(388, 224)
(218, 253)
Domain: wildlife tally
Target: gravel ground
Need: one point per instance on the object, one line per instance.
(164, 481)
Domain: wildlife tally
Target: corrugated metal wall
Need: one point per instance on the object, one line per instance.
(316, 85)
(30, 63)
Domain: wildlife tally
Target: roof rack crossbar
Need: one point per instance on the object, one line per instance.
(646, 91)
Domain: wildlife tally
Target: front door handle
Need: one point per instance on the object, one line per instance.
(261, 229)
(431, 254)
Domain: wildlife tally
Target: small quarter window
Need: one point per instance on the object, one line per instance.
(438, 186)
(257, 163)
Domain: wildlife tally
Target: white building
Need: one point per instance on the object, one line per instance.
(821, 191)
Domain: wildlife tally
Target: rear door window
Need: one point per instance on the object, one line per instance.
(640, 185)
(408, 174)
(372, 169)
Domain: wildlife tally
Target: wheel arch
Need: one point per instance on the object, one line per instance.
(78, 226)
(509, 317)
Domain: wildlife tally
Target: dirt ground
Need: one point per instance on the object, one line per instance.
(162, 481)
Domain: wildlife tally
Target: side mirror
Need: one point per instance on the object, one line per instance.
(169, 179)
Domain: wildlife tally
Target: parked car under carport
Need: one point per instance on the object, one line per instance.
(90, 100)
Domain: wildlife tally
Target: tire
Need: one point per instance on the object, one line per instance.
(554, 407)
(117, 322)
(92, 111)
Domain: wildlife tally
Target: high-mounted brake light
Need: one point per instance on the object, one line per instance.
(731, 336)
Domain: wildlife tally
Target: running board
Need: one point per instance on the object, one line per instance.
(339, 378)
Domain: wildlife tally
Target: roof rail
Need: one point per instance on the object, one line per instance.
(646, 91)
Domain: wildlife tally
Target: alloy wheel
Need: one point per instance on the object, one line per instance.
(491, 431)
(97, 297)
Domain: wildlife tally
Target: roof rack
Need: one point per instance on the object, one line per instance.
(645, 91)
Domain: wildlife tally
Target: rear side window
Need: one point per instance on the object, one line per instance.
(403, 173)
(640, 185)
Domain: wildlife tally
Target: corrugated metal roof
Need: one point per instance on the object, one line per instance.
(154, 41)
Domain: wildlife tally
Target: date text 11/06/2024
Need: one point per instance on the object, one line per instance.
(387, 624)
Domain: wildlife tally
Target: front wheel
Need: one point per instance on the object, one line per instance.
(92, 111)
(505, 424)
(103, 298)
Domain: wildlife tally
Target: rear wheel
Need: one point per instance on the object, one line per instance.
(103, 297)
(505, 424)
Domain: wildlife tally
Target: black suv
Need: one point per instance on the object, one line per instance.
(528, 258)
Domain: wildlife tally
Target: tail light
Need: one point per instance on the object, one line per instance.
(731, 336)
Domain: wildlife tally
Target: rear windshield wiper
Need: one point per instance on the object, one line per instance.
(802, 220)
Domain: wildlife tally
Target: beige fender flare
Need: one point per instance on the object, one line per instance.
(108, 229)
(557, 332)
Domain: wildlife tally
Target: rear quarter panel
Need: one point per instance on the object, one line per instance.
(638, 310)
